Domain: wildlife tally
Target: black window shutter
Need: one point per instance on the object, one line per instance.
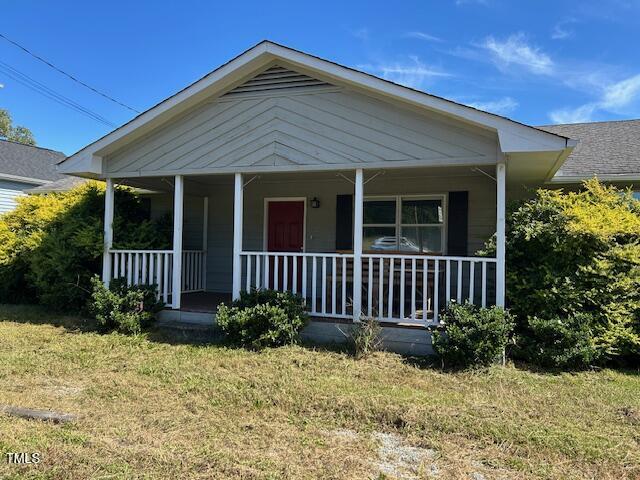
(458, 220)
(344, 222)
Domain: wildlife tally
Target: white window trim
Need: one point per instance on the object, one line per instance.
(398, 223)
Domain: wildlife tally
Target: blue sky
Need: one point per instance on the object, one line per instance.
(537, 62)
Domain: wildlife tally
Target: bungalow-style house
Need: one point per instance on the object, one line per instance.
(286, 171)
(23, 167)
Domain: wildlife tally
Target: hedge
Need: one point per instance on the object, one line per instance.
(577, 255)
(51, 245)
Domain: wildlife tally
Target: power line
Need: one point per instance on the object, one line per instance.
(47, 92)
(51, 94)
(48, 63)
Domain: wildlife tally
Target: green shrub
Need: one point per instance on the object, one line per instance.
(51, 245)
(126, 309)
(366, 337)
(578, 252)
(472, 336)
(565, 343)
(263, 318)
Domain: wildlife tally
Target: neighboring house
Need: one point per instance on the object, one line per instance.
(287, 171)
(609, 151)
(23, 167)
(63, 184)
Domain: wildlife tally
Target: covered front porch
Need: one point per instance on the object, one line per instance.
(395, 244)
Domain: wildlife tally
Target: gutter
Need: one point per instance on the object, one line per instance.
(608, 177)
(18, 178)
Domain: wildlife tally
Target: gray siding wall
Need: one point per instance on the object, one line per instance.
(9, 191)
(320, 222)
(313, 129)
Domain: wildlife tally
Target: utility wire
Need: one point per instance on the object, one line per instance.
(51, 94)
(48, 63)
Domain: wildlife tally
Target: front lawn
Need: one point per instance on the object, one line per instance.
(155, 408)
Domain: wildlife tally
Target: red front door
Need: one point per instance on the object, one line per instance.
(285, 233)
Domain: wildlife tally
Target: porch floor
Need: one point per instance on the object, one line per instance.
(206, 302)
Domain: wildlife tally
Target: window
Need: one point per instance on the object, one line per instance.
(408, 224)
(636, 194)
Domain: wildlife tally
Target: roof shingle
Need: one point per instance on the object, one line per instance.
(30, 162)
(604, 148)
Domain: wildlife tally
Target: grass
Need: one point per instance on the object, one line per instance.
(151, 407)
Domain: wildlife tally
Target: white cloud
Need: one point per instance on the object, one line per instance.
(581, 114)
(561, 30)
(619, 97)
(424, 36)
(516, 51)
(413, 73)
(502, 106)
(622, 94)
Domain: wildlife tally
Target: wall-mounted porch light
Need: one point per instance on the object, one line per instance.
(315, 203)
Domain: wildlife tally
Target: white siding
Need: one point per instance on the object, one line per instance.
(9, 191)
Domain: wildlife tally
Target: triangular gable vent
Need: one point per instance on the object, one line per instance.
(277, 78)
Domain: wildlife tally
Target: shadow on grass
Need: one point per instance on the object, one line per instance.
(186, 335)
(39, 315)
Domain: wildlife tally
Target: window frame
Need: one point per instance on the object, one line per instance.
(398, 225)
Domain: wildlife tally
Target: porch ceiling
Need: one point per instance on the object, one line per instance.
(203, 184)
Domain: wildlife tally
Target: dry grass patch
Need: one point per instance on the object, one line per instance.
(152, 409)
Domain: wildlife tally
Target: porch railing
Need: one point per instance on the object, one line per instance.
(194, 270)
(146, 267)
(395, 288)
(415, 288)
(324, 280)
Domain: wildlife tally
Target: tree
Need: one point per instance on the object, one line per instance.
(16, 133)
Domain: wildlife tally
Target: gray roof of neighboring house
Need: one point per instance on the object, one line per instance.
(605, 149)
(28, 162)
(62, 185)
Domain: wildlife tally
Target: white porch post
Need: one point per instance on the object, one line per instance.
(178, 213)
(357, 245)
(237, 234)
(108, 231)
(501, 173)
(205, 231)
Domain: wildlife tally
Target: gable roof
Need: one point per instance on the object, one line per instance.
(513, 136)
(28, 163)
(609, 150)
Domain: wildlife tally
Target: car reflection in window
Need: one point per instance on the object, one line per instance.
(389, 244)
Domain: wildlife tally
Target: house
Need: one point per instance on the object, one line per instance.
(63, 184)
(609, 151)
(287, 171)
(23, 167)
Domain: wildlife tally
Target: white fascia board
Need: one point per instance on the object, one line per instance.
(82, 164)
(562, 157)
